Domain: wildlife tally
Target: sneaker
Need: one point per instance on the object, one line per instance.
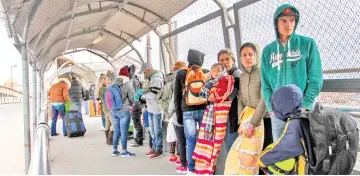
(190, 173)
(149, 152)
(156, 155)
(135, 145)
(181, 170)
(172, 159)
(56, 134)
(127, 154)
(178, 163)
(115, 153)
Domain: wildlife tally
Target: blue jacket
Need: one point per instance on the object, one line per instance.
(295, 140)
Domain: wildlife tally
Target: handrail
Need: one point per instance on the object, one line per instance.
(353, 111)
(40, 155)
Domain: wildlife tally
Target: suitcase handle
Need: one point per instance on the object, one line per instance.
(317, 107)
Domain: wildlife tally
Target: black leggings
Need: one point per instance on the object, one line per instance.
(181, 140)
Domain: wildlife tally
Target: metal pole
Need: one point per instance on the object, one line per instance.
(34, 100)
(38, 87)
(237, 31)
(25, 81)
(225, 29)
(162, 57)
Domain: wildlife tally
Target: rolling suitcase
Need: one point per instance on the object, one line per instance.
(74, 124)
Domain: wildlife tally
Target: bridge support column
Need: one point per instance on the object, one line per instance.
(38, 87)
(34, 100)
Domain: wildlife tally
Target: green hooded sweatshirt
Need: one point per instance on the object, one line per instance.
(297, 63)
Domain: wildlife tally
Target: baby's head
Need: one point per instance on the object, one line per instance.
(216, 70)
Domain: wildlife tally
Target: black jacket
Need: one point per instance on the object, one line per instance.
(194, 58)
(233, 113)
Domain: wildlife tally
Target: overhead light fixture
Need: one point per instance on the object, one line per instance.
(98, 39)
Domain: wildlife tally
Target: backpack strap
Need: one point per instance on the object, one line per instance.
(317, 107)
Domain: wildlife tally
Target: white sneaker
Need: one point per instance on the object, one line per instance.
(190, 173)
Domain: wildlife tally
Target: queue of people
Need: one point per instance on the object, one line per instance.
(204, 104)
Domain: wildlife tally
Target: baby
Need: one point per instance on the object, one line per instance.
(219, 86)
(217, 89)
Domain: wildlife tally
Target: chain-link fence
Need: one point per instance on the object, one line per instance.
(332, 23)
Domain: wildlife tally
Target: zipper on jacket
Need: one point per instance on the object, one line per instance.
(249, 89)
(347, 137)
(327, 136)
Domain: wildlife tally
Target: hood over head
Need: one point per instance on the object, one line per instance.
(283, 10)
(195, 57)
(257, 56)
(286, 101)
(132, 69)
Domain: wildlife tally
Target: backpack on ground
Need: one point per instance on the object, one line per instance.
(194, 81)
(335, 141)
(113, 97)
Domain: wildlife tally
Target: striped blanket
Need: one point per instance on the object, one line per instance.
(207, 151)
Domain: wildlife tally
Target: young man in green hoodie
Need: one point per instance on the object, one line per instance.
(290, 59)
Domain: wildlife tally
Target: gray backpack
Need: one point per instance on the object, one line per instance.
(335, 140)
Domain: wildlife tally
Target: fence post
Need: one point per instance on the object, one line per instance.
(224, 22)
(25, 81)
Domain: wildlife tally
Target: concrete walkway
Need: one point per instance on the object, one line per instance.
(90, 155)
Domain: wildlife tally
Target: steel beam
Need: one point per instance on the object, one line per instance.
(71, 24)
(143, 8)
(225, 30)
(127, 42)
(25, 82)
(122, 56)
(200, 21)
(34, 99)
(60, 39)
(221, 5)
(69, 17)
(237, 27)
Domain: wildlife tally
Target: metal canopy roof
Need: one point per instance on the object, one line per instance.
(104, 25)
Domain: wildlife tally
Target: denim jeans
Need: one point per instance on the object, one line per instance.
(55, 113)
(86, 103)
(191, 118)
(103, 119)
(230, 137)
(155, 128)
(121, 122)
(277, 127)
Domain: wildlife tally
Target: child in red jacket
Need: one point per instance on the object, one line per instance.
(217, 90)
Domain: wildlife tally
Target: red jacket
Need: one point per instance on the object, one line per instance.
(223, 88)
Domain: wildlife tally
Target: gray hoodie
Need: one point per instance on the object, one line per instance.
(156, 81)
(127, 93)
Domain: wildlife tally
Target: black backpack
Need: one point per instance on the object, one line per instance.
(335, 140)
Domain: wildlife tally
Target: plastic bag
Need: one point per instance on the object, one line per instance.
(170, 134)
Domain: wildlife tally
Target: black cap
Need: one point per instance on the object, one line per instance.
(288, 12)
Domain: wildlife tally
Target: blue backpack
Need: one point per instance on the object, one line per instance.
(113, 97)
